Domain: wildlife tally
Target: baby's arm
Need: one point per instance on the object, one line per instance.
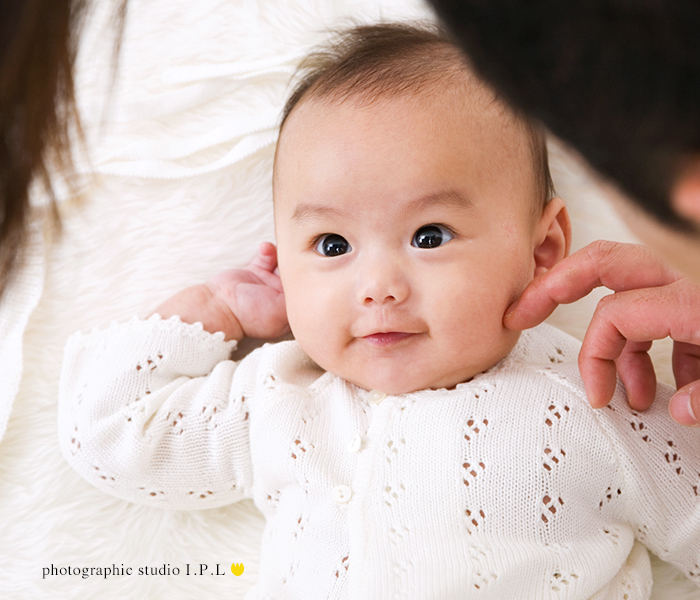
(153, 411)
(242, 303)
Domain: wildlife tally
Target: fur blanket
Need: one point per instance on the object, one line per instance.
(174, 186)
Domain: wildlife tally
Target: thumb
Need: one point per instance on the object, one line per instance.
(266, 258)
(685, 404)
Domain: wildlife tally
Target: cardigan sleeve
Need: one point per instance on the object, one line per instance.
(660, 464)
(152, 411)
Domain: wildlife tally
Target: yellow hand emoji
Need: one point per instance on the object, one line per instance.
(237, 569)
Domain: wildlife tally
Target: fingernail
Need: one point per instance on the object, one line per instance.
(681, 409)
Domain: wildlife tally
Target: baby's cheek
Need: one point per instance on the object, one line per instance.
(314, 327)
(512, 277)
(475, 320)
(294, 314)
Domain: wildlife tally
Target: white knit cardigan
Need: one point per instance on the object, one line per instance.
(507, 487)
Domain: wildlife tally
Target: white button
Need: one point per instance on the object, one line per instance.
(341, 494)
(355, 443)
(375, 397)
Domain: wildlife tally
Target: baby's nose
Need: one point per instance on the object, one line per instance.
(383, 284)
(377, 297)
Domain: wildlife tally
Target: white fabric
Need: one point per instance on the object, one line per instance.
(508, 484)
(129, 242)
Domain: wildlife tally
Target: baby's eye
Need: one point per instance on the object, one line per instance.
(332, 244)
(431, 236)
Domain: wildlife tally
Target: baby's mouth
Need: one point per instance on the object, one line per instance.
(387, 338)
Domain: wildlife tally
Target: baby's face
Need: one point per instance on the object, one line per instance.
(405, 228)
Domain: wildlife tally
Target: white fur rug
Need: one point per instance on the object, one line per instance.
(183, 158)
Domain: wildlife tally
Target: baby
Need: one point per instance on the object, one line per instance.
(405, 444)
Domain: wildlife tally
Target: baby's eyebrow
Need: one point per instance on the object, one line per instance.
(451, 198)
(304, 212)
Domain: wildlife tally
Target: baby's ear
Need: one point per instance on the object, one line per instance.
(552, 236)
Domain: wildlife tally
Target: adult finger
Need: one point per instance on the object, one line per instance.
(685, 405)
(637, 373)
(614, 265)
(638, 316)
(686, 363)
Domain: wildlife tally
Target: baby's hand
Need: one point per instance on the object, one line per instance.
(254, 295)
(246, 302)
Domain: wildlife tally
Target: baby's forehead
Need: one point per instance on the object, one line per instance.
(406, 146)
(452, 104)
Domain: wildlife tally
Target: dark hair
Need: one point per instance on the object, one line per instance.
(388, 59)
(617, 79)
(38, 46)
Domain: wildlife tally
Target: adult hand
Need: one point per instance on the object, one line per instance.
(651, 302)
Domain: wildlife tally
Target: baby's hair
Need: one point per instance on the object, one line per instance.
(395, 59)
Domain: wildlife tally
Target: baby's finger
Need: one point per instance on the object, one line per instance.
(636, 371)
(266, 258)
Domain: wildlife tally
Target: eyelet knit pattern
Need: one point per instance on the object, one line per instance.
(507, 486)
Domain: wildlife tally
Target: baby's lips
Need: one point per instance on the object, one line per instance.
(387, 338)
